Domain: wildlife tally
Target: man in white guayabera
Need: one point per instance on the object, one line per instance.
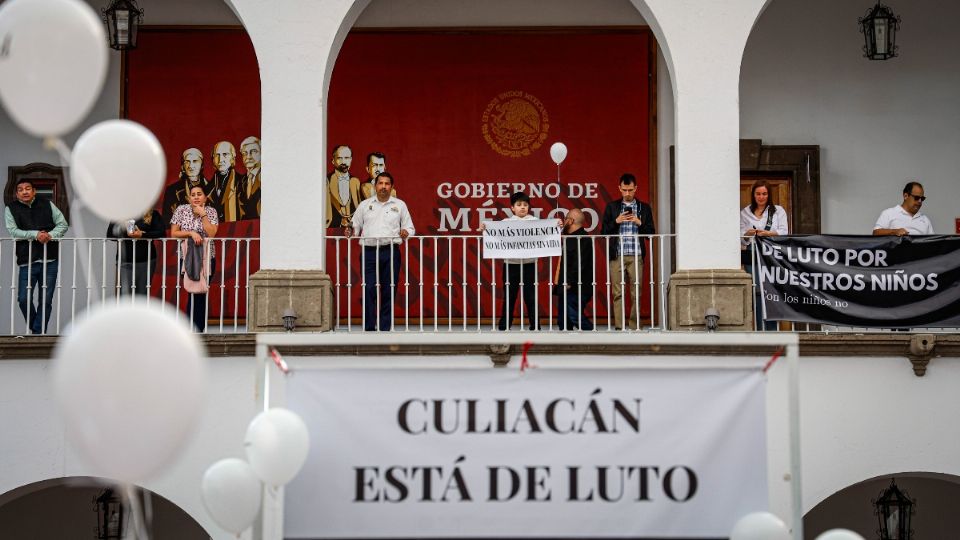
(905, 218)
(382, 223)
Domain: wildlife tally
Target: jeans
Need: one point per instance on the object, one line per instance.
(42, 276)
(519, 278)
(381, 270)
(571, 306)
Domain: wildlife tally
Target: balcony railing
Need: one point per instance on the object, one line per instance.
(443, 285)
(87, 273)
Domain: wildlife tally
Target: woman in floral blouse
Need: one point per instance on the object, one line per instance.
(197, 222)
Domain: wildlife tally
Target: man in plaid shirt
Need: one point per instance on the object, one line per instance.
(625, 219)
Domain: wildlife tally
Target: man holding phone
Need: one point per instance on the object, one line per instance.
(624, 220)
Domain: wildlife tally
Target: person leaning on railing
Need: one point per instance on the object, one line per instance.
(41, 224)
(759, 218)
(905, 218)
(137, 256)
(383, 223)
(197, 222)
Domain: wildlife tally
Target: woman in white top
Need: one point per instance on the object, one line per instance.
(760, 218)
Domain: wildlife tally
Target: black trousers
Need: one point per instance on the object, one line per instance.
(519, 278)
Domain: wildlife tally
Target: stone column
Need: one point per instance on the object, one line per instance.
(296, 42)
(703, 44)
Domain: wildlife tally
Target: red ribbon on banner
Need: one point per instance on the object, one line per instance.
(773, 359)
(278, 360)
(524, 363)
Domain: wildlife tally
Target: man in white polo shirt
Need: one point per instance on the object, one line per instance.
(382, 223)
(905, 218)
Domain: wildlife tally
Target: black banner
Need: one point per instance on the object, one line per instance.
(871, 281)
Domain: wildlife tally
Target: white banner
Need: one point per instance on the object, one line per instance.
(521, 239)
(561, 453)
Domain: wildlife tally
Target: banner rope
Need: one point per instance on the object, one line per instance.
(524, 363)
(278, 360)
(773, 359)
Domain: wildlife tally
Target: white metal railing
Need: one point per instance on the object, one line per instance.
(87, 273)
(444, 284)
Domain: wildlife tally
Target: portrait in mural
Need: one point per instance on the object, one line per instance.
(344, 189)
(376, 164)
(203, 125)
(464, 119)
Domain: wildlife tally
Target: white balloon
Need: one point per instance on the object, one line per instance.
(231, 493)
(760, 526)
(839, 534)
(558, 152)
(130, 382)
(118, 169)
(52, 65)
(277, 443)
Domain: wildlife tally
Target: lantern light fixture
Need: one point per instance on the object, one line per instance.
(894, 508)
(289, 319)
(123, 18)
(111, 518)
(879, 27)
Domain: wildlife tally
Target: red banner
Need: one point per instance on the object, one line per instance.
(196, 89)
(466, 119)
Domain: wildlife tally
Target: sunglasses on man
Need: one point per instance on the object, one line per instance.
(919, 198)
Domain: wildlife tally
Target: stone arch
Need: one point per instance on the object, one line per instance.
(851, 507)
(26, 510)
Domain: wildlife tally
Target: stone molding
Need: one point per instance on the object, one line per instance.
(308, 292)
(691, 292)
(873, 344)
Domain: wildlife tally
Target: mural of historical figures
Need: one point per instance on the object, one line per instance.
(227, 183)
(250, 194)
(344, 189)
(191, 174)
(376, 164)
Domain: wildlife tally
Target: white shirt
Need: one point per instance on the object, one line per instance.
(343, 183)
(749, 221)
(379, 223)
(898, 218)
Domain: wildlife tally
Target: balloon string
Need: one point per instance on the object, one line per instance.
(56, 143)
(135, 509)
(559, 186)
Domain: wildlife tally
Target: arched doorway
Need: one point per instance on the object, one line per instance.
(66, 508)
(852, 507)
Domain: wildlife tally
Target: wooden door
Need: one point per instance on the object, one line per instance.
(780, 192)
